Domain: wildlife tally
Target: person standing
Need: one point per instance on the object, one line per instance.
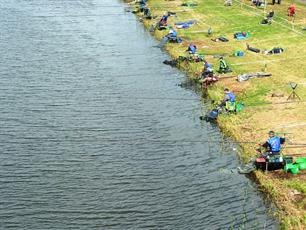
(291, 10)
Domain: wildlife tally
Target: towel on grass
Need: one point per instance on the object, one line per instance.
(184, 25)
(247, 76)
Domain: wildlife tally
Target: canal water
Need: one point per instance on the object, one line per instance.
(96, 133)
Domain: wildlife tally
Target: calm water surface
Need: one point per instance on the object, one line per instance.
(91, 134)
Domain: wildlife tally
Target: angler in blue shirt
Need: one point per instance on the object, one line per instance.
(273, 144)
(229, 101)
(172, 35)
(192, 49)
(208, 71)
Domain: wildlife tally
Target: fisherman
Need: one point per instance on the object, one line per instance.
(273, 144)
(223, 66)
(163, 22)
(172, 35)
(207, 76)
(273, 148)
(208, 70)
(229, 101)
(268, 18)
(192, 49)
(291, 10)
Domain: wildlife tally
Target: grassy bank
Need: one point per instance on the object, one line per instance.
(263, 112)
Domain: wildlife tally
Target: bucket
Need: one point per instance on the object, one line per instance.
(288, 167)
(295, 170)
(239, 107)
(302, 166)
(300, 160)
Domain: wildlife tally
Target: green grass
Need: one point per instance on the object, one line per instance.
(254, 97)
(297, 185)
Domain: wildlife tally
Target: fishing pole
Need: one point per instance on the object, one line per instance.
(197, 141)
(296, 147)
(156, 98)
(191, 99)
(276, 103)
(164, 141)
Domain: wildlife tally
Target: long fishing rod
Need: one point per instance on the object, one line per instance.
(156, 98)
(276, 103)
(295, 145)
(163, 141)
(191, 99)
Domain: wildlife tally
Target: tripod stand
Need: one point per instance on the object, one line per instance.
(293, 94)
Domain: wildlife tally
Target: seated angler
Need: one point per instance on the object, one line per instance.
(223, 68)
(208, 77)
(172, 35)
(229, 101)
(163, 22)
(192, 49)
(273, 144)
(268, 18)
(208, 70)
